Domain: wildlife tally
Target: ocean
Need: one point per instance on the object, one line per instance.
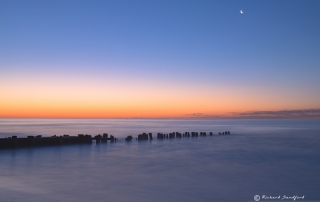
(268, 158)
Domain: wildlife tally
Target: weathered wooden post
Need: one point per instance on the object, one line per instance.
(14, 141)
(31, 140)
(98, 138)
(129, 138)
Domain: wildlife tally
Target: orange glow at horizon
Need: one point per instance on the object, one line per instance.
(97, 98)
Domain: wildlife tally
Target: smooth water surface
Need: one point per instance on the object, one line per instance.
(270, 157)
(123, 127)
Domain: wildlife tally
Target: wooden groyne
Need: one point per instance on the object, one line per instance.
(148, 136)
(32, 141)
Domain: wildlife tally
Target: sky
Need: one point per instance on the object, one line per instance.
(159, 59)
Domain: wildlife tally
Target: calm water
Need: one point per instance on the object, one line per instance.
(260, 157)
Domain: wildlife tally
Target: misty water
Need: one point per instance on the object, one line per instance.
(260, 157)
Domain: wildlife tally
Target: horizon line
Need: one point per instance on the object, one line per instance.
(304, 114)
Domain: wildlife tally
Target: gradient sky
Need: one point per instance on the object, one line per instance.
(116, 59)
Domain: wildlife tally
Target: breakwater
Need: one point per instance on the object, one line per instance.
(32, 141)
(148, 136)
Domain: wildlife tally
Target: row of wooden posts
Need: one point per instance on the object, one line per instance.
(30, 141)
(148, 136)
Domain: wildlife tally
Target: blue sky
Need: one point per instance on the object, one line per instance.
(273, 47)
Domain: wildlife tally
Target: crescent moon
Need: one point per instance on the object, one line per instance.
(241, 11)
